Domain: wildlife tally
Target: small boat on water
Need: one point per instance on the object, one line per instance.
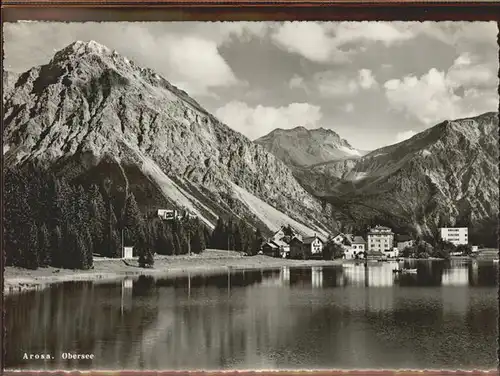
(495, 261)
(410, 271)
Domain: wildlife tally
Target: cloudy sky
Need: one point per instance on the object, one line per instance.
(374, 83)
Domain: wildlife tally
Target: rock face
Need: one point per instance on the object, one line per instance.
(90, 111)
(445, 175)
(8, 81)
(300, 147)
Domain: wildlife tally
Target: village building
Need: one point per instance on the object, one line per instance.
(340, 238)
(283, 248)
(357, 248)
(167, 214)
(391, 253)
(455, 235)
(308, 247)
(403, 241)
(127, 252)
(286, 233)
(375, 255)
(296, 248)
(270, 249)
(380, 238)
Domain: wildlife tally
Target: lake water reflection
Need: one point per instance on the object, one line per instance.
(350, 316)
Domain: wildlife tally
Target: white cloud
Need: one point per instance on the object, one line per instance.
(332, 84)
(428, 98)
(308, 39)
(434, 96)
(192, 73)
(328, 41)
(462, 35)
(186, 55)
(469, 71)
(366, 79)
(375, 31)
(349, 107)
(226, 32)
(297, 82)
(255, 122)
(402, 136)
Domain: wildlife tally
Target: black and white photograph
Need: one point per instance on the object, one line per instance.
(250, 195)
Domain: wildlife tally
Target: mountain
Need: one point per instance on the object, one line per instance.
(445, 175)
(91, 114)
(300, 147)
(8, 80)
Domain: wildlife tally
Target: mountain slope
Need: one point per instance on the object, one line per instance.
(445, 175)
(91, 113)
(302, 147)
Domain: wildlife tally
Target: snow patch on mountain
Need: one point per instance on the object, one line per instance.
(350, 151)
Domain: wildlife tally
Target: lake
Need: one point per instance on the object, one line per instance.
(349, 316)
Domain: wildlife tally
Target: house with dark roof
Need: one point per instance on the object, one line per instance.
(355, 247)
(271, 249)
(339, 238)
(284, 248)
(308, 247)
(286, 233)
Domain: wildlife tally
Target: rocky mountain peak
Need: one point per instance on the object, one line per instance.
(300, 146)
(446, 173)
(90, 105)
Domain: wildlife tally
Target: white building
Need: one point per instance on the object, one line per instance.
(455, 235)
(356, 246)
(127, 252)
(380, 238)
(166, 214)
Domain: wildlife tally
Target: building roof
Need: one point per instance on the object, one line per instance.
(358, 240)
(374, 253)
(280, 243)
(296, 239)
(380, 229)
(310, 239)
(337, 233)
(271, 244)
(403, 238)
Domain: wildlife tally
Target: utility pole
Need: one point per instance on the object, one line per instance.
(110, 228)
(123, 246)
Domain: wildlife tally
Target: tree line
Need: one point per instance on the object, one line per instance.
(236, 235)
(440, 249)
(50, 221)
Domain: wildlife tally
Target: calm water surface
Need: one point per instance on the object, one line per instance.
(349, 316)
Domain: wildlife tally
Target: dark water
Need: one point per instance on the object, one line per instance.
(348, 316)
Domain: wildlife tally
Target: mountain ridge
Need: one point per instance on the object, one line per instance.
(90, 104)
(301, 147)
(444, 175)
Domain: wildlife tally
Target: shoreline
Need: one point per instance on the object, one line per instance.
(17, 280)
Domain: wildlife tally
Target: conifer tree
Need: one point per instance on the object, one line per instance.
(31, 251)
(258, 240)
(238, 237)
(45, 246)
(57, 247)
